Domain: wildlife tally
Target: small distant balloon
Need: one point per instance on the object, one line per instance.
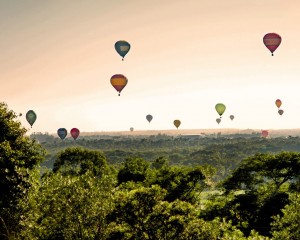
(149, 118)
(278, 103)
(122, 47)
(272, 41)
(264, 133)
(177, 123)
(131, 129)
(118, 81)
(62, 133)
(280, 111)
(220, 108)
(31, 117)
(74, 133)
(218, 120)
(231, 117)
(20, 114)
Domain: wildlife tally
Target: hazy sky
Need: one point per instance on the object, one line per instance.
(57, 58)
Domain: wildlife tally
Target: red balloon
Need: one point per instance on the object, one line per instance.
(272, 41)
(75, 133)
(264, 133)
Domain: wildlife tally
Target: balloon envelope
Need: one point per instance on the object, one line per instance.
(122, 47)
(62, 133)
(149, 118)
(30, 117)
(280, 111)
(177, 123)
(220, 108)
(218, 120)
(74, 133)
(231, 117)
(272, 41)
(131, 129)
(264, 133)
(118, 81)
(278, 103)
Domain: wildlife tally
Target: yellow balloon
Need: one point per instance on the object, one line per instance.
(177, 123)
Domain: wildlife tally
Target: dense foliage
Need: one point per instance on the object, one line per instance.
(157, 187)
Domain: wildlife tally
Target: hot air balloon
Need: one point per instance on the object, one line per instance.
(62, 133)
(272, 41)
(280, 111)
(231, 117)
(278, 103)
(118, 81)
(220, 108)
(75, 133)
(30, 117)
(177, 123)
(264, 133)
(131, 129)
(218, 120)
(149, 118)
(122, 47)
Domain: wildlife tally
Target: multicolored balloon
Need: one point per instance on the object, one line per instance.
(220, 108)
(118, 81)
(122, 47)
(149, 118)
(264, 133)
(218, 120)
(31, 117)
(177, 123)
(231, 117)
(74, 133)
(278, 103)
(280, 111)
(62, 133)
(272, 41)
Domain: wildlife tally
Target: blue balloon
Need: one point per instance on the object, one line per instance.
(122, 47)
(62, 133)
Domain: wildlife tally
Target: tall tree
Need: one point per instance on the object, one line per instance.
(19, 158)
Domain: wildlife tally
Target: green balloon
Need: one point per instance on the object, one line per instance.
(220, 107)
(30, 117)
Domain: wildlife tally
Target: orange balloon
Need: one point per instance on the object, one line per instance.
(118, 81)
(278, 103)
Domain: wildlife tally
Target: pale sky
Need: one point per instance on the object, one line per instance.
(57, 58)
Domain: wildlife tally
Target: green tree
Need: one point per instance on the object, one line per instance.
(69, 207)
(142, 214)
(134, 169)
(181, 183)
(265, 179)
(79, 160)
(288, 225)
(160, 163)
(19, 158)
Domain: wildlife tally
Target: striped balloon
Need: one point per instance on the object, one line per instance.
(272, 41)
(118, 81)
